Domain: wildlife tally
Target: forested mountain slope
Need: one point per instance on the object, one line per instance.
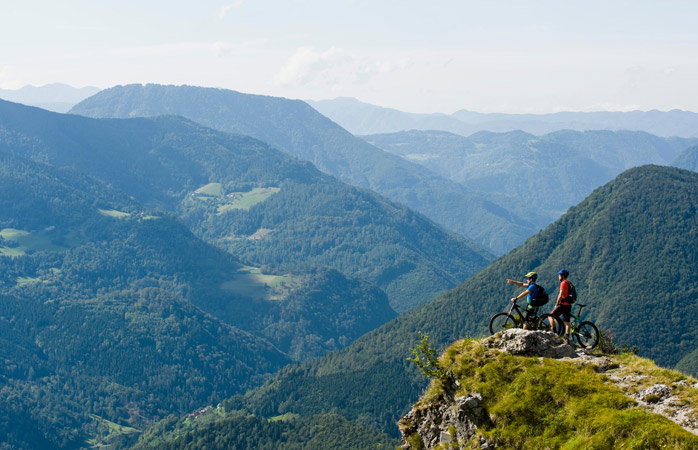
(294, 127)
(97, 315)
(631, 248)
(241, 195)
(687, 159)
(544, 175)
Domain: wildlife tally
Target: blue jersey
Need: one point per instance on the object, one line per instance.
(532, 292)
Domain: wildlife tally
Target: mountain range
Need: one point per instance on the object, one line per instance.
(296, 128)
(545, 175)
(57, 97)
(152, 266)
(239, 194)
(363, 118)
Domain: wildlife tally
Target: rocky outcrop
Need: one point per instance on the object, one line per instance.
(444, 421)
(521, 342)
(447, 421)
(450, 421)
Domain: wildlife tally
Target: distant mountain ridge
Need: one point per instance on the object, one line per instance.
(363, 118)
(687, 159)
(56, 97)
(544, 175)
(296, 128)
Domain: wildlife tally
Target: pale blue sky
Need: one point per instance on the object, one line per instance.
(496, 55)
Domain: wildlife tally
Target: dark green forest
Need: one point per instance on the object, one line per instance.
(99, 322)
(239, 431)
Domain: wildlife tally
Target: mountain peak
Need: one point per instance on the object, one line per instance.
(507, 392)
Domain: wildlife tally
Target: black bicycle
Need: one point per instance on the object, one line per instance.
(585, 333)
(516, 318)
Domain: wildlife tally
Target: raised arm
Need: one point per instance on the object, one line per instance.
(518, 283)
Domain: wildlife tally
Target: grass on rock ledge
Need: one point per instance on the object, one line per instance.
(543, 403)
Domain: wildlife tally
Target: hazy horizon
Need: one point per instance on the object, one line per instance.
(506, 56)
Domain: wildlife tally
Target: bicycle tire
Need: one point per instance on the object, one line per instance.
(544, 324)
(587, 335)
(502, 321)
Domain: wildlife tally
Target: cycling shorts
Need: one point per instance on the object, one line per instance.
(564, 310)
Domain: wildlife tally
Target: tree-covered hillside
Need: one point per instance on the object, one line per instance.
(97, 318)
(687, 159)
(630, 248)
(294, 127)
(245, 197)
(538, 177)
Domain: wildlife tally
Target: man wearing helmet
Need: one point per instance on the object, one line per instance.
(531, 292)
(563, 306)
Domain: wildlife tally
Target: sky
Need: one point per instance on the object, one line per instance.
(513, 56)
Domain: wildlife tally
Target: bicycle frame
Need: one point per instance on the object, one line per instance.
(520, 311)
(576, 320)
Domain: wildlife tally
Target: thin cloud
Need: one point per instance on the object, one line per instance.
(306, 64)
(225, 9)
(334, 68)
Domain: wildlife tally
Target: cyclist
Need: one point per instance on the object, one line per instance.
(563, 305)
(532, 292)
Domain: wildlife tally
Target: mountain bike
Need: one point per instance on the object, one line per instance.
(585, 333)
(516, 318)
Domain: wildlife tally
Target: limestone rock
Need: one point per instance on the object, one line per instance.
(445, 420)
(521, 342)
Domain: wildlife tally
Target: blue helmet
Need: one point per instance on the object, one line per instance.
(564, 273)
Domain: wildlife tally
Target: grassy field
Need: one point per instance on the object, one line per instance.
(25, 241)
(114, 213)
(251, 282)
(24, 281)
(246, 200)
(211, 189)
(111, 430)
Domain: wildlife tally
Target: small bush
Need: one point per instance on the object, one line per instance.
(653, 398)
(607, 343)
(415, 441)
(426, 359)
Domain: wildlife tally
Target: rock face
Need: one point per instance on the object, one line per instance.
(521, 342)
(446, 420)
(451, 421)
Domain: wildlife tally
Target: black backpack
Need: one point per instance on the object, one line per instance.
(541, 299)
(571, 293)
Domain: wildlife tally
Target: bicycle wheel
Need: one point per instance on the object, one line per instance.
(544, 324)
(502, 321)
(587, 335)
